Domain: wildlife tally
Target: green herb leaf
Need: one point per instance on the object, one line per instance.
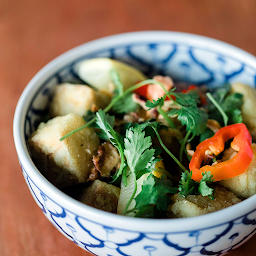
(155, 192)
(117, 82)
(89, 116)
(192, 117)
(203, 188)
(106, 123)
(187, 185)
(235, 116)
(139, 154)
(220, 93)
(187, 112)
(191, 98)
(151, 165)
(232, 101)
(125, 105)
(146, 211)
(137, 149)
(229, 102)
(155, 103)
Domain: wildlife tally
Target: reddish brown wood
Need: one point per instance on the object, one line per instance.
(33, 32)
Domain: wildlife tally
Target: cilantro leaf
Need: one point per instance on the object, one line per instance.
(220, 93)
(151, 165)
(192, 117)
(106, 123)
(203, 188)
(125, 105)
(186, 110)
(188, 113)
(155, 103)
(137, 149)
(229, 102)
(233, 101)
(139, 154)
(155, 192)
(235, 116)
(191, 98)
(117, 82)
(187, 185)
(146, 211)
(89, 116)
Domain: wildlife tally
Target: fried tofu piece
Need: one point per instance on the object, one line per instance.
(101, 195)
(248, 106)
(194, 205)
(64, 162)
(244, 185)
(78, 99)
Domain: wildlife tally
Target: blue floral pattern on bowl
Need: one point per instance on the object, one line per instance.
(182, 62)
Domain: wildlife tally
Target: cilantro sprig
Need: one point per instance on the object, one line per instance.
(158, 104)
(225, 106)
(188, 113)
(123, 104)
(139, 154)
(185, 108)
(188, 186)
(106, 124)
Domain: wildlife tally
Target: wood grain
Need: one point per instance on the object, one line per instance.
(33, 32)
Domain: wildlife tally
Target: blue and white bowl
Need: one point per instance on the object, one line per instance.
(185, 57)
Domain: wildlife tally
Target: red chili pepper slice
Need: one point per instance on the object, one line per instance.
(242, 141)
(142, 91)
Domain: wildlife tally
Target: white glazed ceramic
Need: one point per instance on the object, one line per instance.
(186, 57)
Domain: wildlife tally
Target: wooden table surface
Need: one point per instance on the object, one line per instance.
(33, 32)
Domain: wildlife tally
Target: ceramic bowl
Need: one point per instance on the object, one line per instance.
(185, 57)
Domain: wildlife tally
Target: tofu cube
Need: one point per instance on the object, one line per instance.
(248, 106)
(194, 205)
(244, 185)
(101, 195)
(78, 99)
(64, 162)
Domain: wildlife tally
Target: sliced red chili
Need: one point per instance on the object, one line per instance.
(242, 141)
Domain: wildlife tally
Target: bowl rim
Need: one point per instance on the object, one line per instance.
(87, 212)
